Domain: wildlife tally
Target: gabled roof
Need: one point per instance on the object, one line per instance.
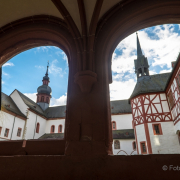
(52, 136)
(56, 112)
(9, 104)
(150, 84)
(31, 104)
(120, 106)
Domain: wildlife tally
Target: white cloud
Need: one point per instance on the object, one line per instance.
(59, 102)
(39, 67)
(64, 56)
(54, 69)
(3, 82)
(121, 89)
(165, 71)
(8, 64)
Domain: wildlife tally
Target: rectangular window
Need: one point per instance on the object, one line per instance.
(143, 147)
(0, 130)
(171, 99)
(19, 132)
(157, 129)
(6, 133)
(178, 83)
(134, 145)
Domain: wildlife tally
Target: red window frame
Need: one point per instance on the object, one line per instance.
(53, 126)
(141, 145)
(60, 128)
(47, 99)
(19, 135)
(37, 127)
(134, 142)
(6, 135)
(160, 129)
(112, 125)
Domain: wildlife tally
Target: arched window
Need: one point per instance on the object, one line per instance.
(134, 145)
(52, 129)
(37, 127)
(38, 99)
(47, 99)
(113, 125)
(42, 99)
(116, 144)
(60, 129)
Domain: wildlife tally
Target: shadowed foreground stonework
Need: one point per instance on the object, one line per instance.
(92, 167)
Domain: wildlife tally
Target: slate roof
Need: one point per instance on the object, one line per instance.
(152, 83)
(120, 106)
(123, 134)
(9, 104)
(31, 104)
(52, 136)
(56, 112)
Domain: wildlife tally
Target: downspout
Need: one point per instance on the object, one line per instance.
(13, 127)
(35, 126)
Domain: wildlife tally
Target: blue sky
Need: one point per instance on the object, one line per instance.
(160, 44)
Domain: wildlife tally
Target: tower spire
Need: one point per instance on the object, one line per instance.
(141, 63)
(47, 69)
(139, 51)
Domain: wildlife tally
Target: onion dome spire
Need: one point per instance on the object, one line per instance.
(46, 75)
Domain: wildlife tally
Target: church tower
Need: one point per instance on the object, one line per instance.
(44, 92)
(141, 63)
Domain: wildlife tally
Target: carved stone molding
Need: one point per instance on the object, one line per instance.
(85, 80)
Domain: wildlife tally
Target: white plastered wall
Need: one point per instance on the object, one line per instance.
(167, 143)
(56, 123)
(123, 121)
(141, 136)
(125, 145)
(32, 121)
(6, 121)
(19, 102)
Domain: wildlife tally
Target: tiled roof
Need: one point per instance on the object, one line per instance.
(56, 112)
(9, 104)
(149, 84)
(123, 134)
(52, 136)
(120, 106)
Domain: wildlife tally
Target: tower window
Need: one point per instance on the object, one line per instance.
(113, 125)
(0, 130)
(157, 129)
(60, 129)
(116, 144)
(143, 147)
(42, 99)
(19, 132)
(47, 99)
(37, 128)
(6, 133)
(52, 129)
(134, 145)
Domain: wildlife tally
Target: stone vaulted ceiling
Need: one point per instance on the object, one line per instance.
(13, 10)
